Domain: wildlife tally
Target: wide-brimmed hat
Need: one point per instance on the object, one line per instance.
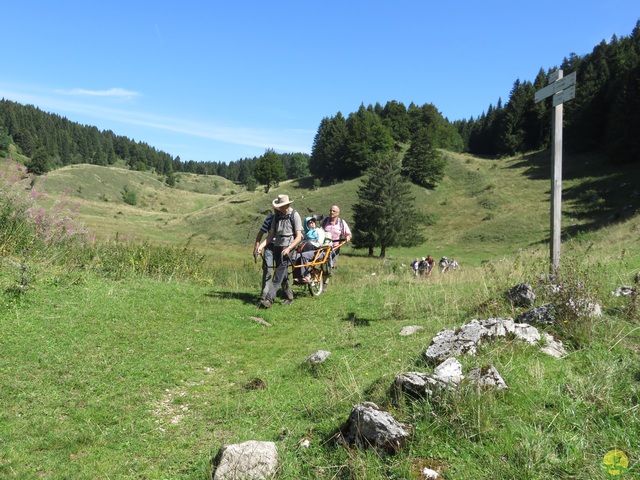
(281, 201)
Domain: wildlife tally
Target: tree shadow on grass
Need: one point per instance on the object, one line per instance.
(607, 193)
(537, 165)
(248, 298)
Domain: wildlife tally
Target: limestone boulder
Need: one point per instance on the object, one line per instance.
(369, 426)
(252, 460)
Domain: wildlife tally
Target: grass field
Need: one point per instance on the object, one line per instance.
(132, 376)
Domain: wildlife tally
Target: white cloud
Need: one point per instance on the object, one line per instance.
(296, 140)
(112, 92)
(285, 139)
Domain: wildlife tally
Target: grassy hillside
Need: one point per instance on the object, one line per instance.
(158, 214)
(114, 371)
(484, 208)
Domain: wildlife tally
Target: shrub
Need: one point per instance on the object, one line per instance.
(574, 296)
(252, 184)
(24, 223)
(129, 196)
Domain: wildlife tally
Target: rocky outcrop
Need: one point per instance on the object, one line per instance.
(467, 338)
(552, 346)
(445, 376)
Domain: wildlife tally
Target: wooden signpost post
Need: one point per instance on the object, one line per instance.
(563, 89)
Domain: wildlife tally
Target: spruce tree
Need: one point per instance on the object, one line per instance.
(367, 138)
(394, 116)
(328, 151)
(5, 141)
(385, 214)
(423, 164)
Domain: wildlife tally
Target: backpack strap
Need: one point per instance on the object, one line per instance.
(326, 222)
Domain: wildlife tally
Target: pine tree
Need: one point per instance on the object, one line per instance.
(423, 164)
(518, 120)
(328, 152)
(367, 139)
(385, 215)
(244, 172)
(621, 138)
(5, 141)
(394, 116)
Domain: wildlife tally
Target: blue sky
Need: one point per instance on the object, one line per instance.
(223, 80)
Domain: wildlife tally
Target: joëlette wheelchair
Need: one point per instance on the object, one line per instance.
(319, 267)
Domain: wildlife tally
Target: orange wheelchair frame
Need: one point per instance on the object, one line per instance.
(318, 268)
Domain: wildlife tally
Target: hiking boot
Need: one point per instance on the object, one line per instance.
(264, 303)
(288, 301)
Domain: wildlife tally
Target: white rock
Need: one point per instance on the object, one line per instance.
(450, 371)
(410, 330)
(430, 474)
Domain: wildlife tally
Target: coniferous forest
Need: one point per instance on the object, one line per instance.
(604, 117)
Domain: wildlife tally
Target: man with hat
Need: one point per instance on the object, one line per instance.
(286, 234)
(267, 255)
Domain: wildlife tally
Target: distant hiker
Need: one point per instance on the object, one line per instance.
(414, 266)
(430, 263)
(422, 266)
(443, 264)
(338, 230)
(286, 234)
(453, 265)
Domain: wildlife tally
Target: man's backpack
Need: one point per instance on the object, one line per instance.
(291, 216)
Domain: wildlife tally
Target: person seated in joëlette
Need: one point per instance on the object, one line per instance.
(312, 240)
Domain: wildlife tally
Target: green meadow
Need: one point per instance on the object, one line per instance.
(138, 355)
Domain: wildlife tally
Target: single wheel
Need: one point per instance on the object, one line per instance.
(316, 284)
